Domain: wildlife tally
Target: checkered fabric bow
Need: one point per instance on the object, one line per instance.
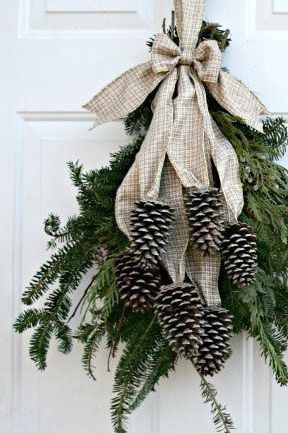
(205, 59)
(182, 140)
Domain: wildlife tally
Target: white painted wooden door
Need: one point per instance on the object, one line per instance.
(54, 55)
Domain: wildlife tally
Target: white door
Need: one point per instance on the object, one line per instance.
(54, 55)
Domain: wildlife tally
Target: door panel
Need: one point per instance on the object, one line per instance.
(55, 55)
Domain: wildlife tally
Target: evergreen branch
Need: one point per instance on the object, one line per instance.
(104, 287)
(76, 173)
(116, 341)
(261, 308)
(83, 297)
(91, 336)
(52, 228)
(272, 350)
(129, 374)
(162, 362)
(221, 418)
(29, 319)
(56, 310)
(208, 31)
(39, 344)
(63, 335)
(48, 274)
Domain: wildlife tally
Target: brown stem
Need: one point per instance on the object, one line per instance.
(164, 25)
(172, 25)
(116, 341)
(213, 397)
(83, 297)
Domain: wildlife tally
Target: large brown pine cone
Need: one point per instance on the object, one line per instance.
(150, 227)
(215, 347)
(137, 284)
(204, 210)
(180, 314)
(240, 254)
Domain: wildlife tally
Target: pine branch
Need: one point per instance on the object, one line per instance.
(29, 319)
(85, 293)
(208, 30)
(115, 342)
(91, 336)
(104, 287)
(52, 227)
(221, 418)
(39, 344)
(129, 374)
(271, 349)
(48, 274)
(64, 336)
(161, 364)
(261, 308)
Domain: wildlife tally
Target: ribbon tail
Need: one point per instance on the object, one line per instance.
(224, 158)
(233, 95)
(226, 162)
(124, 94)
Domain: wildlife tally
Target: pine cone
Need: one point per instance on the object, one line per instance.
(240, 254)
(151, 222)
(180, 314)
(215, 347)
(137, 285)
(205, 216)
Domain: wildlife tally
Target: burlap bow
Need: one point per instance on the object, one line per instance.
(205, 60)
(182, 140)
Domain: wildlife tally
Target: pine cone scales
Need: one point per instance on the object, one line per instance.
(240, 254)
(137, 285)
(150, 222)
(205, 216)
(215, 347)
(179, 311)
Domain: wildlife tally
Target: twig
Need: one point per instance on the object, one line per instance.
(164, 25)
(83, 297)
(172, 25)
(120, 410)
(116, 341)
(218, 406)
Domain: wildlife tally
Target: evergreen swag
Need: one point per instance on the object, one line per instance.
(92, 241)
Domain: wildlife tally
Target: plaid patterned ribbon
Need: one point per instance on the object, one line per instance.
(182, 139)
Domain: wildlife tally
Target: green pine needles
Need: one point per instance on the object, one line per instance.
(91, 241)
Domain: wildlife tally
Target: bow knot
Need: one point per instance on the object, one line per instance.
(205, 59)
(186, 59)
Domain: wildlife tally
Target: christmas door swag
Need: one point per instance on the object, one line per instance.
(180, 219)
(186, 181)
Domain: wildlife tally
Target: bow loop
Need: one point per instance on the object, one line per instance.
(207, 61)
(165, 54)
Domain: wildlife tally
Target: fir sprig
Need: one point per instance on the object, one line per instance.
(221, 418)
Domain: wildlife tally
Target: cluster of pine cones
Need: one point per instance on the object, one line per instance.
(198, 333)
(237, 242)
(137, 270)
(193, 330)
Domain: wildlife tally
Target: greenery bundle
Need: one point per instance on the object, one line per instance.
(92, 241)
